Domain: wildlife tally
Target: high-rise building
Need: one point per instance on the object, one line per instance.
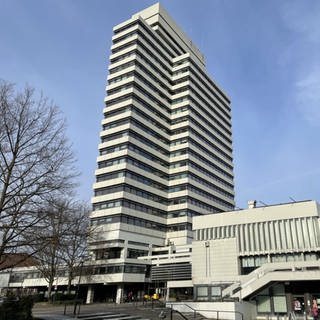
(166, 147)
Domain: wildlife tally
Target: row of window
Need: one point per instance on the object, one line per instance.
(121, 78)
(146, 71)
(149, 47)
(133, 221)
(205, 102)
(188, 79)
(155, 39)
(133, 176)
(108, 253)
(208, 132)
(164, 164)
(210, 154)
(135, 253)
(212, 91)
(122, 67)
(154, 88)
(209, 97)
(172, 154)
(156, 69)
(203, 138)
(165, 36)
(189, 200)
(211, 186)
(213, 117)
(135, 149)
(134, 162)
(156, 147)
(133, 190)
(211, 197)
(125, 36)
(191, 152)
(121, 88)
(207, 78)
(122, 57)
(117, 161)
(210, 164)
(158, 36)
(211, 175)
(177, 176)
(147, 118)
(213, 124)
(127, 268)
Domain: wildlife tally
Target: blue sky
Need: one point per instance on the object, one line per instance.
(264, 54)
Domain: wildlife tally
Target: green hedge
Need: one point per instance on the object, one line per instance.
(16, 309)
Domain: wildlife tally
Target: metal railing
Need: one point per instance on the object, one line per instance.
(267, 269)
(216, 313)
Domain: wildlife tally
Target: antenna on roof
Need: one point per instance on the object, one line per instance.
(292, 199)
(263, 203)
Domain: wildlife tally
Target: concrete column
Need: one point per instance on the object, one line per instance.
(90, 294)
(119, 293)
(167, 293)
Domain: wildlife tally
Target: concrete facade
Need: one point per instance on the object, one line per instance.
(165, 153)
(268, 256)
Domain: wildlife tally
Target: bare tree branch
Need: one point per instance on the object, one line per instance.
(36, 162)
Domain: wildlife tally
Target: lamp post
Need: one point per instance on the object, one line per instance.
(77, 290)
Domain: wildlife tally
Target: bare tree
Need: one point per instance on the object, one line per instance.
(35, 161)
(74, 249)
(65, 231)
(51, 231)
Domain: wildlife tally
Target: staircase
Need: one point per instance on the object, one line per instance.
(272, 272)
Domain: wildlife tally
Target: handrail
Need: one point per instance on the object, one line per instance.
(223, 311)
(266, 269)
(218, 312)
(178, 312)
(184, 304)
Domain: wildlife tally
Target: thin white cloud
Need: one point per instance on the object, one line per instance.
(308, 96)
(302, 19)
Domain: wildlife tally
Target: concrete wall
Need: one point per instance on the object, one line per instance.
(218, 310)
(215, 260)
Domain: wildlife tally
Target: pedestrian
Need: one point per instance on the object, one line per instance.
(314, 309)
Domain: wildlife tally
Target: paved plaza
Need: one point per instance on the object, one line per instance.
(128, 311)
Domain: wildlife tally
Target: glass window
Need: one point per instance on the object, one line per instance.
(263, 304)
(278, 289)
(215, 291)
(280, 304)
(202, 293)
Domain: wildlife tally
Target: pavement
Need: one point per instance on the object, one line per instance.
(111, 311)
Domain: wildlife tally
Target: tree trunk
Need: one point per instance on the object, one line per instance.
(70, 277)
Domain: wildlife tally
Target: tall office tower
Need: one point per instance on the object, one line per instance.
(166, 149)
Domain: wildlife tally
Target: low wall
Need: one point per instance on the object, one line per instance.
(218, 310)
